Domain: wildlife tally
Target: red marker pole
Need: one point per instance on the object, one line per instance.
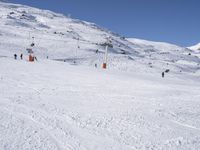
(105, 58)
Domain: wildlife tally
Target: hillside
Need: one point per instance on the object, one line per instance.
(195, 47)
(65, 103)
(196, 50)
(72, 40)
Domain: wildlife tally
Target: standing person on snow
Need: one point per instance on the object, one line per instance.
(15, 56)
(21, 56)
(35, 58)
(163, 74)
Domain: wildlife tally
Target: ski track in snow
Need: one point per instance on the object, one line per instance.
(72, 107)
(51, 105)
(186, 125)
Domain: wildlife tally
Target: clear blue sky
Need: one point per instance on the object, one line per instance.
(174, 21)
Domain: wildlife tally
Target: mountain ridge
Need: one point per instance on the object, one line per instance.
(195, 47)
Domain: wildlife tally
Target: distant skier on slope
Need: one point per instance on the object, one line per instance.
(21, 56)
(15, 56)
(163, 74)
(35, 58)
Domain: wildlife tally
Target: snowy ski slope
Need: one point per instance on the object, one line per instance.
(53, 105)
(63, 38)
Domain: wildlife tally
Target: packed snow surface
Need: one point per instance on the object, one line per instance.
(51, 105)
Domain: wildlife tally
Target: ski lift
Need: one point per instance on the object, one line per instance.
(30, 50)
(31, 56)
(107, 44)
(32, 44)
(78, 43)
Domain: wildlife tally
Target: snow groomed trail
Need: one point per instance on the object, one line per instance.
(54, 106)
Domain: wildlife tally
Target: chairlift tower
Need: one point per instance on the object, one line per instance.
(105, 58)
(76, 51)
(107, 44)
(30, 50)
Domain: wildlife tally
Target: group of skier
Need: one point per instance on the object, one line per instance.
(21, 56)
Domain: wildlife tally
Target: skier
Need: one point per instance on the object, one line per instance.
(21, 56)
(15, 56)
(163, 74)
(95, 65)
(97, 51)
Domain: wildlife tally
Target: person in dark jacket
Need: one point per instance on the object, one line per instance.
(163, 74)
(21, 56)
(15, 56)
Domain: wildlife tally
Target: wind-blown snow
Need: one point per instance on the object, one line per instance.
(53, 105)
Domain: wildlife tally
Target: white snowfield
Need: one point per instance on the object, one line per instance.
(53, 105)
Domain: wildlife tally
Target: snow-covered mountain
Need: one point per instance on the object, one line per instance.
(63, 38)
(195, 47)
(155, 45)
(53, 105)
(196, 50)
